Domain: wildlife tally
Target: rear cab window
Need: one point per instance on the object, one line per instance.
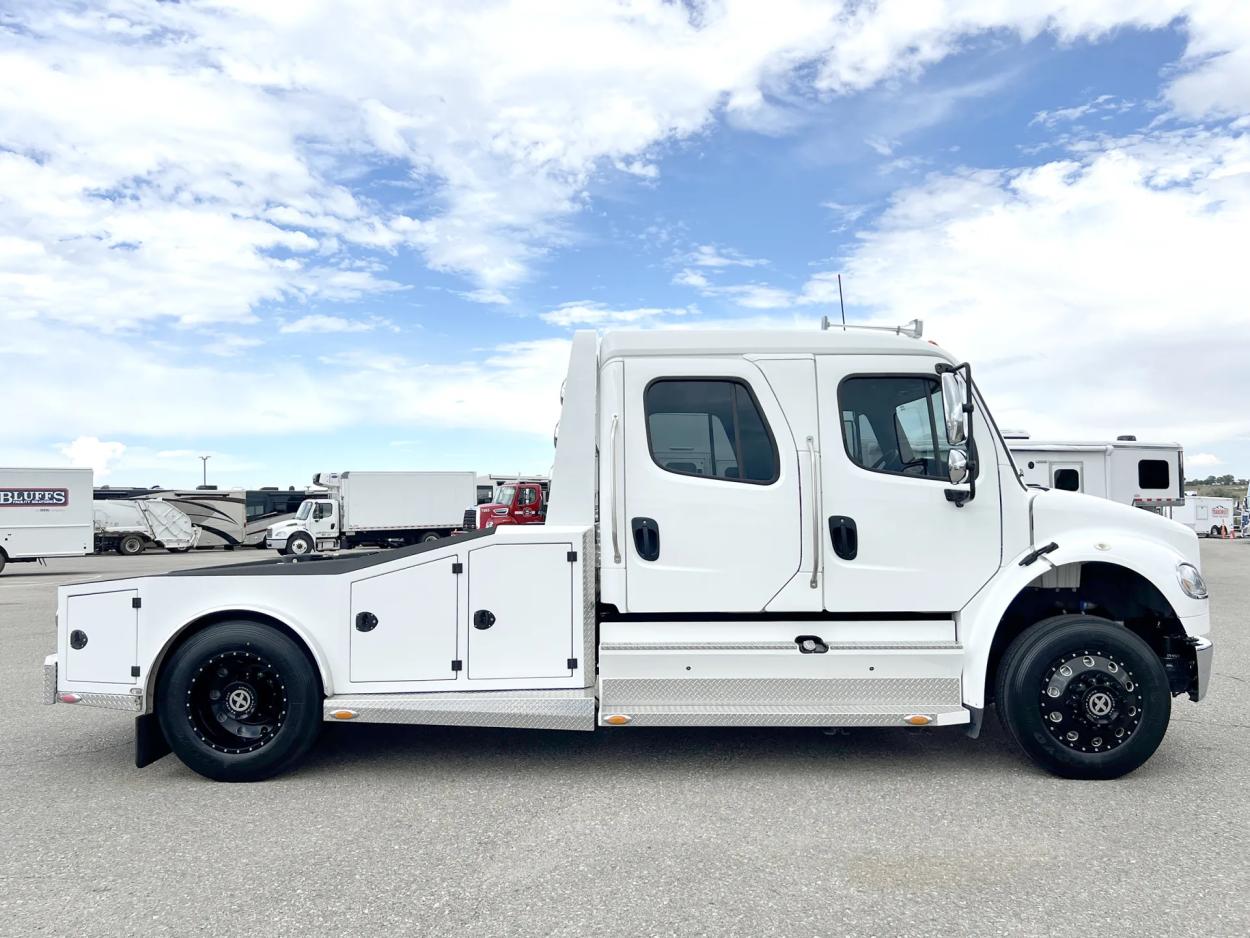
(709, 427)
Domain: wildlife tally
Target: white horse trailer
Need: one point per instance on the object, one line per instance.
(1206, 515)
(44, 513)
(857, 550)
(1145, 475)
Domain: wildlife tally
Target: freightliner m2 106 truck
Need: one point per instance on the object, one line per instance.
(387, 509)
(745, 529)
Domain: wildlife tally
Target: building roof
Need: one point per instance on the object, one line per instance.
(835, 341)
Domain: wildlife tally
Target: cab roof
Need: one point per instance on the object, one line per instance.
(834, 341)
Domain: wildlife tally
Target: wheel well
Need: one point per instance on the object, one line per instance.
(195, 626)
(1098, 589)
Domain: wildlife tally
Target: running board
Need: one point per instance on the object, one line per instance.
(513, 709)
(623, 714)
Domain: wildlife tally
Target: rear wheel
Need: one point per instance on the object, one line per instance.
(239, 702)
(130, 545)
(1083, 697)
(1214, 532)
(299, 544)
(3, 561)
(429, 536)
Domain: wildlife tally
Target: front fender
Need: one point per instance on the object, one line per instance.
(1152, 560)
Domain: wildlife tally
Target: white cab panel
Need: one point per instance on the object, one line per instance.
(724, 543)
(520, 611)
(109, 622)
(415, 635)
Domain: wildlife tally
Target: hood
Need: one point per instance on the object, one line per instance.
(1057, 515)
(284, 526)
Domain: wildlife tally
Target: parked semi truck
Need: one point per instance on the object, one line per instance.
(857, 550)
(132, 525)
(387, 509)
(44, 513)
(1145, 475)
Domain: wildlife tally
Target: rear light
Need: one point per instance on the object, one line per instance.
(68, 698)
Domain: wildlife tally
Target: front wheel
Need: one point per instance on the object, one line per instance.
(239, 702)
(1084, 697)
(299, 544)
(429, 537)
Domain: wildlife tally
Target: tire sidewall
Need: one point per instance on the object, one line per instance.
(303, 689)
(125, 546)
(1024, 667)
(301, 539)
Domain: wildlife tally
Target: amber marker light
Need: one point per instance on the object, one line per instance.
(68, 698)
(343, 714)
(917, 719)
(617, 719)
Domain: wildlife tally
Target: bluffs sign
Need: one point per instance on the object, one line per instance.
(34, 498)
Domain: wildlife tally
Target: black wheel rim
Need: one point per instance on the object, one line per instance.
(236, 702)
(1090, 701)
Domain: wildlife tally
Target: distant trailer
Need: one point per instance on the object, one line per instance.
(1207, 515)
(1146, 475)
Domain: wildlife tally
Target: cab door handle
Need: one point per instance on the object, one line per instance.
(844, 535)
(646, 538)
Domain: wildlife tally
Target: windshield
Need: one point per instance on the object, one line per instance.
(504, 494)
(305, 509)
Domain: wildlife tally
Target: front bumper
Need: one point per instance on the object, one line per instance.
(131, 702)
(1203, 652)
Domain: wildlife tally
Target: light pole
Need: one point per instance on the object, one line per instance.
(204, 462)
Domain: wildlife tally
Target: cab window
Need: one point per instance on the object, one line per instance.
(709, 427)
(894, 424)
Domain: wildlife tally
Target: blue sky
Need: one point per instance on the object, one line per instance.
(303, 242)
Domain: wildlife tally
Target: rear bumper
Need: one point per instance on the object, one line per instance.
(1203, 652)
(131, 702)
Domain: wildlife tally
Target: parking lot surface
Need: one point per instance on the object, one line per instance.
(433, 831)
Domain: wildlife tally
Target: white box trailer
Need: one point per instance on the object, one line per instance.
(1145, 475)
(44, 513)
(388, 509)
(1206, 515)
(132, 525)
(858, 550)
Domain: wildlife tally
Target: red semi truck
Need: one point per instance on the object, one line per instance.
(517, 501)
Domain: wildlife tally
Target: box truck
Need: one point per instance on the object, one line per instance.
(387, 509)
(1145, 475)
(857, 550)
(44, 513)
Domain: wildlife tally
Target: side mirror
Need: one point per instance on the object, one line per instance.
(954, 395)
(957, 466)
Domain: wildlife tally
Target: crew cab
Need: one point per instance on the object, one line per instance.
(763, 528)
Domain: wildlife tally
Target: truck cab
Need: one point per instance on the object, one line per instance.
(316, 526)
(516, 502)
(760, 528)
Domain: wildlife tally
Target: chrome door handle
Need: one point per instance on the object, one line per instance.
(616, 546)
(811, 454)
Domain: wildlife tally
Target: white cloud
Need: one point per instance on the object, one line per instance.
(1202, 460)
(709, 255)
(322, 323)
(1102, 106)
(587, 313)
(1078, 286)
(492, 297)
(92, 453)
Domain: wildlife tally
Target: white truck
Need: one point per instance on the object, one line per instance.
(387, 509)
(44, 513)
(132, 525)
(1206, 515)
(860, 551)
(1145, 475)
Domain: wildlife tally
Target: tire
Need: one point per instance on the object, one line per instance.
(130, 545)
(3, 560)
(265, 716)
(178, 550)
(299, 544)
(428, 537)
(1214, 532)
(1114, 704)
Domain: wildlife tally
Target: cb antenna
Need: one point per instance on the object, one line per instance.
(841, 304)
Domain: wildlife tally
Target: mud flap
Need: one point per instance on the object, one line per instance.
(150, 742)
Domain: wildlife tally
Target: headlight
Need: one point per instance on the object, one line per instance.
(1192, 583)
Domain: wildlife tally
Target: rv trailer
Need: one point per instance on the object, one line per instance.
(1145, 475)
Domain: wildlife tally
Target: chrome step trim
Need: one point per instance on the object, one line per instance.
(780, 715)
(777, 646)
(532, 709)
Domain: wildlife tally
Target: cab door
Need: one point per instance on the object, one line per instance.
(711, 519)
(893, 541)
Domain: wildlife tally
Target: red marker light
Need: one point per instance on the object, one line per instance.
(68, 698)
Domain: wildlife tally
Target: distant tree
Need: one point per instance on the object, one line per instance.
(1209, 480)
(1225, 479)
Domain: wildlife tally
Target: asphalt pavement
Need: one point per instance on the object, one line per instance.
(439, 831)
